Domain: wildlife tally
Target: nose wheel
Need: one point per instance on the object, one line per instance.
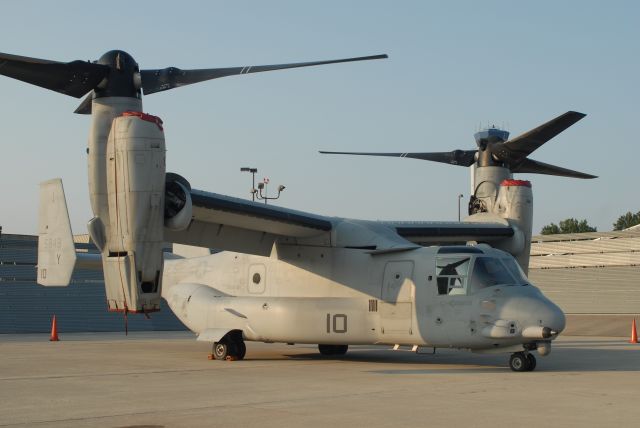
(522, 362)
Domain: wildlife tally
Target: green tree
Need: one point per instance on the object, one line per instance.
(570, 225)
(550, 229)
(627, 220)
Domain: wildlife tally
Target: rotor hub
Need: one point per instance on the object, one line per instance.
(121, 79)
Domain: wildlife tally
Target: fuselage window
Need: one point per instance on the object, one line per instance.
(452, 273)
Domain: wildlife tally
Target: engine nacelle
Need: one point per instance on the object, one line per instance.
(496, 193)
(132, 254)
(178, 207)
(515, 204)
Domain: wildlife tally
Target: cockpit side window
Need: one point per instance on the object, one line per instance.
(452, 273)
(489, 271)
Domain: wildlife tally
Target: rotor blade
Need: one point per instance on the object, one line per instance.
(456, 157)
(74, 78)
(171, 77)
(535, 167)
(515, 150)
(85, 105)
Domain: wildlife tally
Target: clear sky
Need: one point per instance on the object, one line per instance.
(453, 66)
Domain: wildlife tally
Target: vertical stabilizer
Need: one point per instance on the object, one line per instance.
(56, 250)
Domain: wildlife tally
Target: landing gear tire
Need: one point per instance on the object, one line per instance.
(242, 350)
(333, 349)
(228, 350)
(521, 362)
(532, 362)
(221, 350)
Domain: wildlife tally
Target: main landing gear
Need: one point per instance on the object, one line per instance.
(522, 362)
(229, 348)
(333, 349)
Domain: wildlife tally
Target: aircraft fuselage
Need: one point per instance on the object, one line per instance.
(348, 296)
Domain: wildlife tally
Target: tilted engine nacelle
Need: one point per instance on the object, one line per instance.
(178, 207)
(497, 194)
(132, 254)
(515, 204)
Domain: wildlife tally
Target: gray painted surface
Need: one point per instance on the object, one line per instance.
(26, 307)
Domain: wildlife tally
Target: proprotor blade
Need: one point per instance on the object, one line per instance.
(456, 157)
(536, 167)
(171, 77)
(85, 105)
(74, 78)
(516, 150)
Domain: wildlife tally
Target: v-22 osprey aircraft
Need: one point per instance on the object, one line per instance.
(285, 275)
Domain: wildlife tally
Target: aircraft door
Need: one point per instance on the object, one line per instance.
(451, 313)
(398, 291)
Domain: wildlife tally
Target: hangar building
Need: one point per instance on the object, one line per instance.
(594, 277)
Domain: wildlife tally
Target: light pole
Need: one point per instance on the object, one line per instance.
(263, 185)
(253, 180)
(459, 197)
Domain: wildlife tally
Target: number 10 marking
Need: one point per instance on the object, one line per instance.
(339, 324)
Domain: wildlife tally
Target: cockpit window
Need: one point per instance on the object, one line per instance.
(452, 273)
(515, 270)
(489, 271)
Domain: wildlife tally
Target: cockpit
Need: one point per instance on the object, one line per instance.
(466, 270)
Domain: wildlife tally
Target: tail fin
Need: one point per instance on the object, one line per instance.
(56, 250)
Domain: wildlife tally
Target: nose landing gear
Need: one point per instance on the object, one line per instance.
(522, 362)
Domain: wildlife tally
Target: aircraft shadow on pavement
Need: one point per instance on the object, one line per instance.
(562, 359)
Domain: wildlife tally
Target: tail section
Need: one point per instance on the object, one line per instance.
(56, 251)
(57, 255)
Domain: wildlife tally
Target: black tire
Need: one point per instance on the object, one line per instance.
(340, 349)
(221, 350)
(325, 349)
(333, 349)
(532, 362)
(241, 349)
(519, 362)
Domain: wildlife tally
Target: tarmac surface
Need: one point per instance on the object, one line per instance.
(164, 379)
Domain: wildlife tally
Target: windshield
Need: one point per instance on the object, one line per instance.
(490, 271)
(515, 270)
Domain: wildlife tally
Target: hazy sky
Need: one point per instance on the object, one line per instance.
(452, 66)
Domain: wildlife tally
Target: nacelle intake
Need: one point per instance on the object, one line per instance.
(178, 207)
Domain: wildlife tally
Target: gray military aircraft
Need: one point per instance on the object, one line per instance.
(286, 275)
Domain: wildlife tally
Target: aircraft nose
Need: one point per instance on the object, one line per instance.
(550, 315)
(537, 315)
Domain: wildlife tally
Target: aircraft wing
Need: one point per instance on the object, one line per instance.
(441, 233)
(235, 224)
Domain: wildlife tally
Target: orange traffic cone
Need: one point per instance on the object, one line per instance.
(54, 330)
(634, 332)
